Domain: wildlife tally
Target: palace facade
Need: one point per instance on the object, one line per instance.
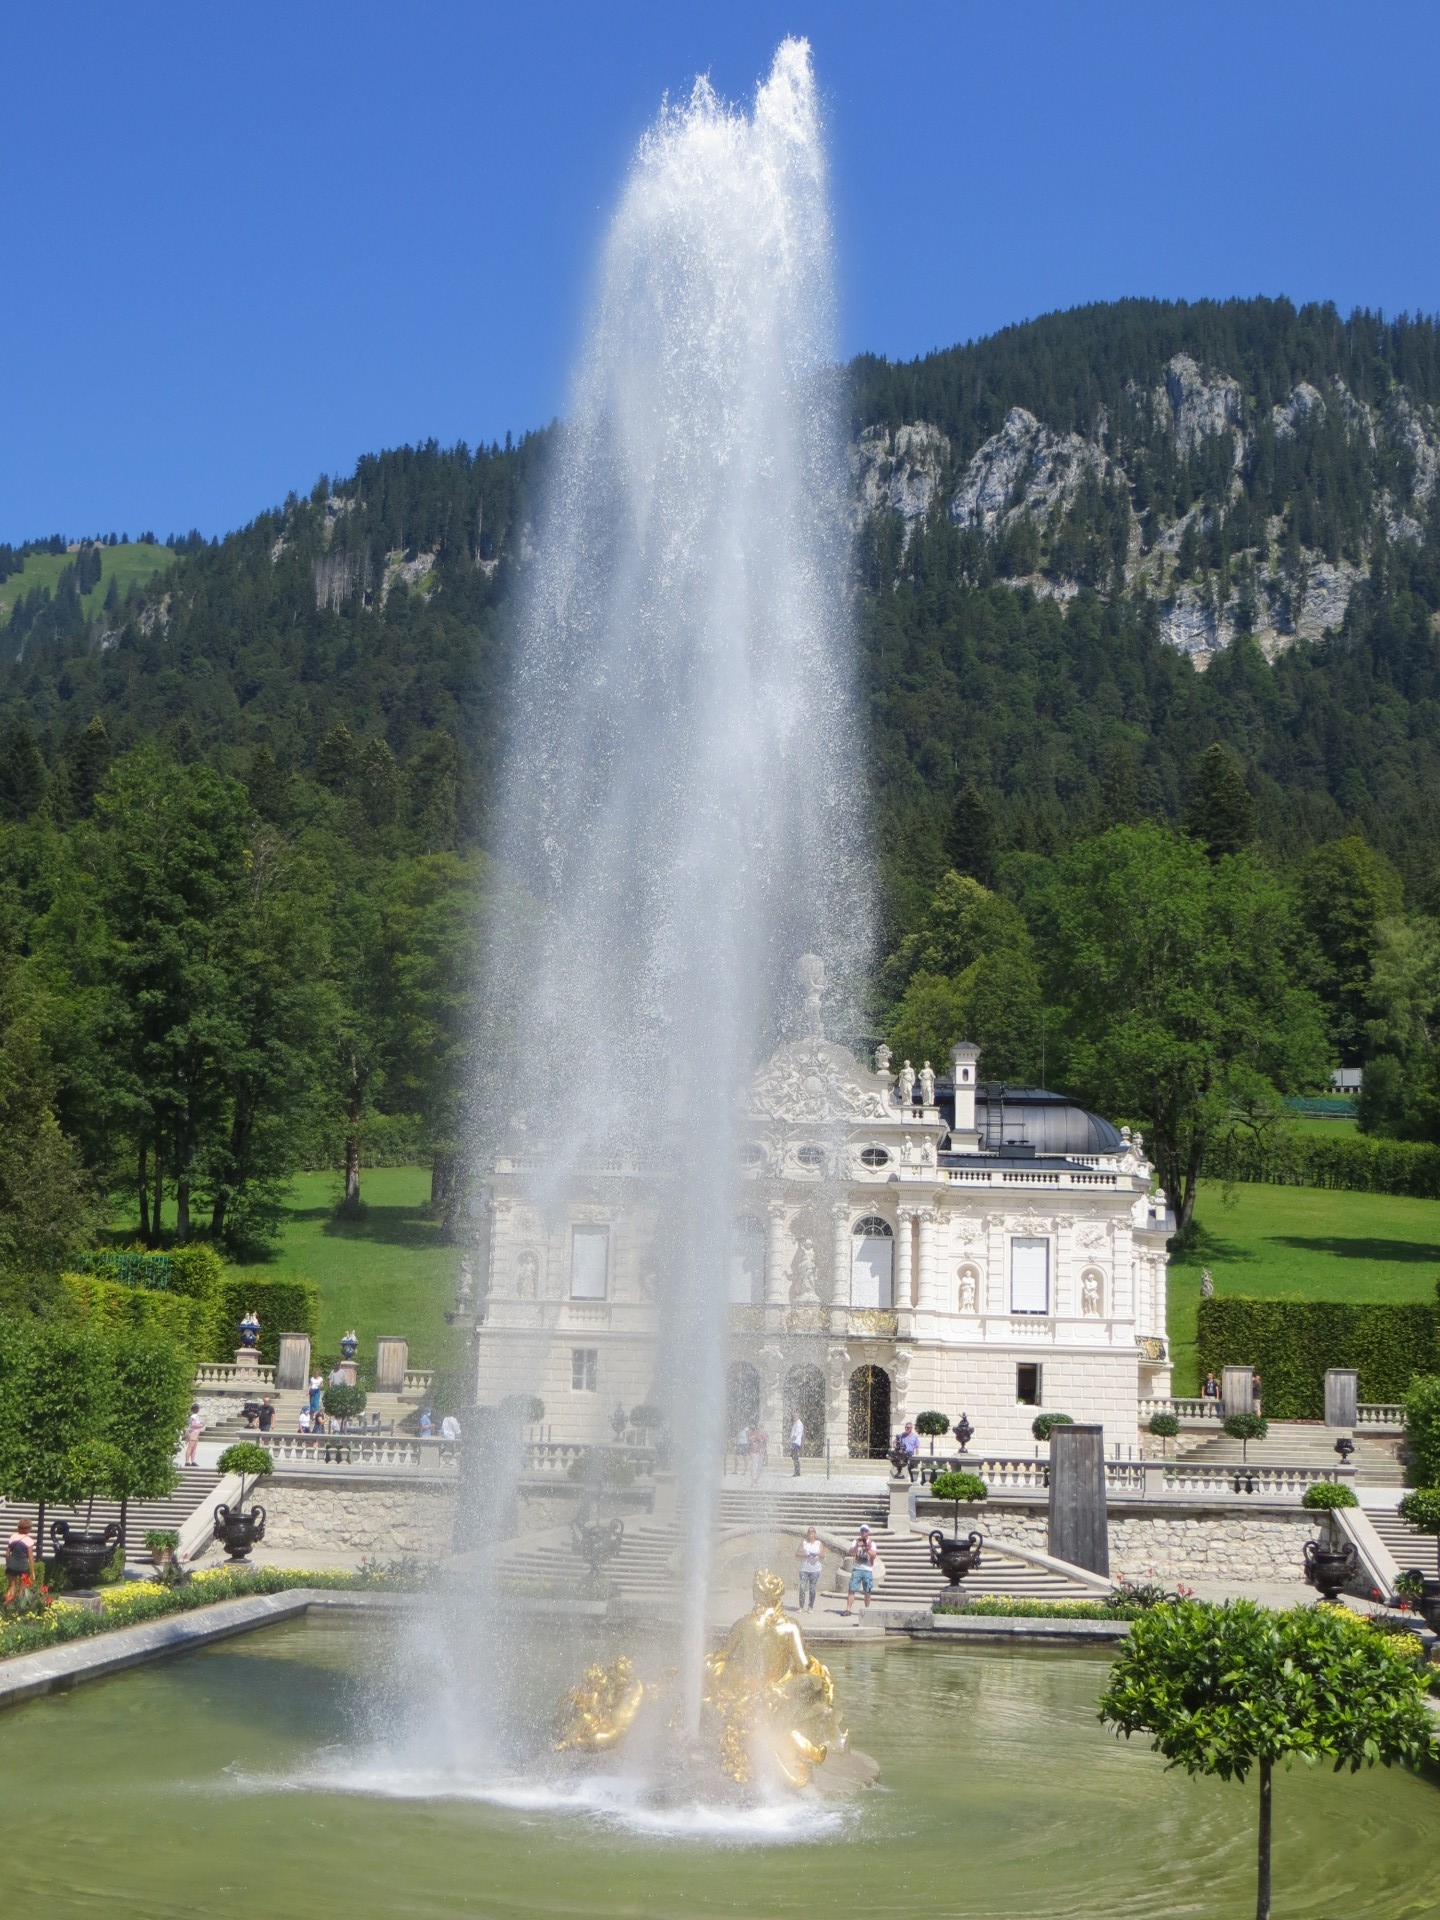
(902, 1242)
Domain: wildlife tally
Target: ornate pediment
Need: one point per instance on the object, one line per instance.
(814, 1081)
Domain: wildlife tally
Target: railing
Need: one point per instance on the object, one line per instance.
(1182, 1409)
(1143, 1479)
(357, 1450)
(418, 1380)
(1022, 1177)
(227, 1374)
(553, 1459)
(1380, 1413)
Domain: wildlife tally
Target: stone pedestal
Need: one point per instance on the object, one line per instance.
(392, 1358)
(901, 1517)
(1342, 1393)
(247, 1360)
(1237, 1390)
(346, 1371)
(1079, 1530)
(666, 1504)
(293, 1369)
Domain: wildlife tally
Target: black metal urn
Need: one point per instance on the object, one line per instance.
(1428, 1602)
(81, 1558)
(238, 1532)
(598, 1541)
(1330, 1567)
(954, 1557)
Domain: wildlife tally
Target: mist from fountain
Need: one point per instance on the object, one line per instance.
(681, 801)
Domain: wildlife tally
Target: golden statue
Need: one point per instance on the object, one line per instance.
(768, 1705)
(774, 1701)
(601, 1710)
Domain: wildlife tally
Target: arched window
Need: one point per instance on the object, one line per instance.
(747, 1262)
(812, 1157)
(872, 1265)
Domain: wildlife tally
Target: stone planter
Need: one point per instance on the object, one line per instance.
(955, 1558)
(239, 1532)
(81, 1558)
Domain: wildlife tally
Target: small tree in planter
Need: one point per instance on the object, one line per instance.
(344, 1403)
(92, 1468)
(1043, 1423)
(1326, 1495)
(1246, 1427)
(1331, 1561)
(1222, 1689)
(237, 1531)
(1165, 1427)
(958, 1487)
(956, 1557)
(933, 1425)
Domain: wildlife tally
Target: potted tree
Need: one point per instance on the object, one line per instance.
(1044, 1423)
(1246, 1427)
(1422, 1509)
(1222, 1689)
(236, 1530)
(81, 1556)
(933, 1425)
(1165, 1427)
(956, 1557)
(1330, 1563)
(344, 1403)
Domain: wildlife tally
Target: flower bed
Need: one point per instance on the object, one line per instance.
(55, 1622)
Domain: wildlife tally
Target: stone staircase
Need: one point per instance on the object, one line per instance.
(391, 1408)
(1301, 1443)
(910, 1580)
(644, 1566)
(195, 1486)
(1410, 1549)
(793, 1512)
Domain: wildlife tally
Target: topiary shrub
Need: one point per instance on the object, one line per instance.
(249, 1460)
(959, 1486)
(1422, 1509)
(1326, 1495)
(344, 1403)
(1042, 1424)
(1165, 1427)
(1246, 1427)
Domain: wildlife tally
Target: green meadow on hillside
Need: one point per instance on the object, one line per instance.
(1301, 1243)
(388, 1273)
(128, 565)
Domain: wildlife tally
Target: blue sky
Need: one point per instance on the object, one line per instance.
(241, 246)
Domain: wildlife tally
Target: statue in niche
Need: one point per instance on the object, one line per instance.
(905, 1085)
(967, 1290)
(1090, 1295)
(927, 1085)
(804, 1291)
(527, 1277)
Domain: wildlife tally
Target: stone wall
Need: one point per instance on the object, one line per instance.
(1171, 1543)
(387, 1518)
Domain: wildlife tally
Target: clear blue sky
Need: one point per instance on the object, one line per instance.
(242, 245)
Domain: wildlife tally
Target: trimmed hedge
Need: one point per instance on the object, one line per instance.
(111, 1306)
(1355, 1162)
(194, 1271)
(1293, 1342)
(285, 1303)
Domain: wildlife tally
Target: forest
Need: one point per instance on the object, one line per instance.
(244, 803)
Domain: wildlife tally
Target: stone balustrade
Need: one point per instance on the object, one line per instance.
(1146, 1479)
(1183, 1410)
(1378, 1416)
(226, 1374)
(386, 1451)
(553, 1459)
(418, 1380)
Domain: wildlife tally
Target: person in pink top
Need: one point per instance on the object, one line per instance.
(194, 1427)
(19, 1560)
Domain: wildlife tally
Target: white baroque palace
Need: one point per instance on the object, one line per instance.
(902, 1242)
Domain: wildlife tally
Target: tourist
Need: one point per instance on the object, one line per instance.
(19, 1560)
(862, 1570)
(427, 1423)
(797, 1441)
(1211, 1388)
(194, 1427)
(811, 1555)
(909, 1444)
(1255, 1391)
(759, 1452)
(317, 1384)
(449, 1433)
(304, 1426)
(267, 1414)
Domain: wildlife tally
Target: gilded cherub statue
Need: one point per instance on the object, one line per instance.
(600, 1711)
(775, 1703)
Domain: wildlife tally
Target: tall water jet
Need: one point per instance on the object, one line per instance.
(680, 811)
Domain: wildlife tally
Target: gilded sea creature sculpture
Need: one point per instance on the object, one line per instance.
(601, 1710)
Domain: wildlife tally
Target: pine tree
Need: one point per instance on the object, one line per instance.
(1221, 813)
(88, 766)
(973, 844)
(22, 774)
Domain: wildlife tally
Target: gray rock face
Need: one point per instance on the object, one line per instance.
(899, 472)
(1303, 405)
(1198, 408)
(1025, 468)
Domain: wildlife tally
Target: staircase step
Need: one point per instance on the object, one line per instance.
(142, 1517)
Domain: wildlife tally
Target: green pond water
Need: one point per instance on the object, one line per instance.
(244, 1780)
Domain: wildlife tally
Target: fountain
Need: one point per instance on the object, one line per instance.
(679, 815)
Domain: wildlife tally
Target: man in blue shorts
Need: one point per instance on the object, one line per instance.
(862, 1572)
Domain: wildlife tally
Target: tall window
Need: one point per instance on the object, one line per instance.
(747, 1263)
(1029, 1276)
(584, 1362)
(589, 1261)
(872, 1265)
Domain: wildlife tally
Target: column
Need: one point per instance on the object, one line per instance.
(903, 1259)
(926, 1300)
(841, 1220)
(777, 1290)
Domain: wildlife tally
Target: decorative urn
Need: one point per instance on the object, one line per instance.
(82, 1557)
(250, 1331)
(953, 1556)
(349, 1345)
(238, 1532)
(1330, 1566)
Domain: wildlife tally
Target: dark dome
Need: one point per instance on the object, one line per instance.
(1031, 1117)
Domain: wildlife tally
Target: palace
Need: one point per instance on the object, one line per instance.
(902, 1242)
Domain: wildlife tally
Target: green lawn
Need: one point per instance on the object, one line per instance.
(127, 564)
(1302, 1243)
(387, 1273)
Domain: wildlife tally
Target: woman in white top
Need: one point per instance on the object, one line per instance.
(811, 1555)
(194, 1427)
